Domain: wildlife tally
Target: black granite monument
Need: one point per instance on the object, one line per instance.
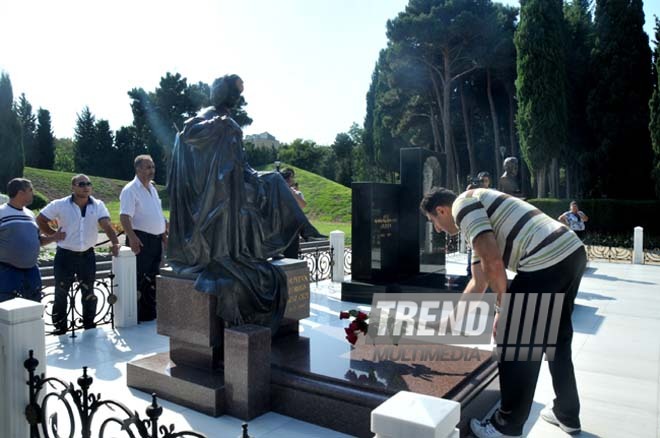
(394, 247)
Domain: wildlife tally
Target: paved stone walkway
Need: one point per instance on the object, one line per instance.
(616, 353)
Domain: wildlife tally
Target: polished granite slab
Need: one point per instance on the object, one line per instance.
(427, 282)
(438, 370)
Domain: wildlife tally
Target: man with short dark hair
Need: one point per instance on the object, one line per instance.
(507, 232)
(19, 244)
(79, 216)
(141, 216)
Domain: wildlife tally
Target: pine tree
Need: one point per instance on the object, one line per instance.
(618, 107)
(541, 85)
(45, 141)
(28, 130)
(11, 147)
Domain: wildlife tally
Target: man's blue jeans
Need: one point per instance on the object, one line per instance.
(68, 266)
(17, 282)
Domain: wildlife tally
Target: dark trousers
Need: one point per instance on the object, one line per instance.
(148, 264)
(16, 282)
(69, 266)
(518, 377)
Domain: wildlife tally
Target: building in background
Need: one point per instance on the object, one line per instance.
(263, 140)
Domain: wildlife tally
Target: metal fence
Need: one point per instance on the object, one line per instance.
(57, 409)
(319, 258)
(617, 254)
(105, 300)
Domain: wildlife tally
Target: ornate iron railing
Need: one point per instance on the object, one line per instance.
(621, 255)
(105, 300)
(652, 256)
(609, 253)
(348, 260)
(53, 402)
(319, 258)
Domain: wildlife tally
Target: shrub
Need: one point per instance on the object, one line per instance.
(39, 201)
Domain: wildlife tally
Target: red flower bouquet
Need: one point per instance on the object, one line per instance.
(358, 324)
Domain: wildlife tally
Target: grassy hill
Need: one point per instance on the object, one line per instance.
(328, 203)
(54, 184)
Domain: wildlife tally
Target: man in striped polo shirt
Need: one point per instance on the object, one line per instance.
(508, 233)
(19, 244)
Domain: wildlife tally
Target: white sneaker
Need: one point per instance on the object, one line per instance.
(484, 429)
(549, 415)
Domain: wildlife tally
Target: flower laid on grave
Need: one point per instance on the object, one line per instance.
(358, 324)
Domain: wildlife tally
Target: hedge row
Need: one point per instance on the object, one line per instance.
(609, 215)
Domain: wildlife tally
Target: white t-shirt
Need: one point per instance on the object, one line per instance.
(81, 231)
(143, 206)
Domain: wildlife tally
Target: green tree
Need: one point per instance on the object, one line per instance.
(64, 155)
(343, 153)
(541, 85)
(104, 148)
(28, 123)
(45, 140)
(128, 145)
(260, 156)
(618, 105)
(85, 156)
(580, 142)
(11, 147)
(654, 107)
(439, 37)
(305, 154)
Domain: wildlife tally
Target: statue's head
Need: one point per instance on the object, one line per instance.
(511, 166)
(226, 91)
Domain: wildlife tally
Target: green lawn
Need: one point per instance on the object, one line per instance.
(327, 201)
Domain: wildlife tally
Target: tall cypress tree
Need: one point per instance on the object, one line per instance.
(11, 147)
(104, 148)
(541, 85)
(28, 129)
(618, 108)
(580, 144)
(654, 107)
(84, 139)
(45, 141)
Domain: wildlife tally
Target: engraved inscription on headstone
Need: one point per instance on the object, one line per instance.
(297, 306)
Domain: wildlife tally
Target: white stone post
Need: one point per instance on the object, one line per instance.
(462, 246)
(337, 245)
(125, 271)
(408, 414)
(21, 330)
(638, 246)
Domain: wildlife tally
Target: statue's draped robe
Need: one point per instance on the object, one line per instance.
(226, 219)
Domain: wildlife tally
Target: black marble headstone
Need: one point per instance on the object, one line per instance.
(422, 249)
(375, 229)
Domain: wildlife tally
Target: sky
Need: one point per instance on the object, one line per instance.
(306, 64)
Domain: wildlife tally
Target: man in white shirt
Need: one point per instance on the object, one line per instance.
(79, 217)
(141, 216)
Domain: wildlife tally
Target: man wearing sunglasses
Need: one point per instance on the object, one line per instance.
(79, 217)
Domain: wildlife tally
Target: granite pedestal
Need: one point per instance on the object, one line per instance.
(193, 373)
